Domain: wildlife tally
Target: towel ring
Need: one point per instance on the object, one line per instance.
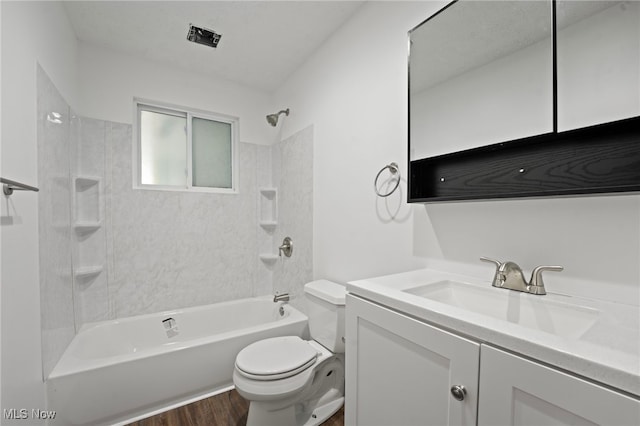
(393, 168)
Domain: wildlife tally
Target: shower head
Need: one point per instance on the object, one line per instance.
(273, 118)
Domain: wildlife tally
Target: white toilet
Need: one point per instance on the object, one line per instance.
(290, 381)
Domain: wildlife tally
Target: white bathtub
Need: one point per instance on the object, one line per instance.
(114, 372)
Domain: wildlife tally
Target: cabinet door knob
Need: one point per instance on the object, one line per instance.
(458, 392)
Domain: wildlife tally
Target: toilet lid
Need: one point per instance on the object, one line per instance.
(275, 358)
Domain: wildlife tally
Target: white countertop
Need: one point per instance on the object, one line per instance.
(608, 352)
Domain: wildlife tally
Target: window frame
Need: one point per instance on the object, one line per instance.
(140, 105)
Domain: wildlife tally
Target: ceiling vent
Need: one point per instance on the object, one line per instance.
(203, 36)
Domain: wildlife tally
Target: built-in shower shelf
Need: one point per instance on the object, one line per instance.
(87, 199)
(86, 227)
(84, 182)
(268, 257)
(268, 205)
(268, 225)
(268, 192)
(86, 272)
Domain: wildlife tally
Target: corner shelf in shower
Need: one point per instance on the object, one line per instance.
(87, 199)
(268, 225)
(268, 192)
(268, 219)
(84, 182)
(268, 257)
(86, 272)
(268, 208)
(86, 227)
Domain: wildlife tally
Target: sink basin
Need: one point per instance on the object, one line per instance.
(536, 312)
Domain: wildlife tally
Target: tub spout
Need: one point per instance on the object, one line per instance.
(284, 297)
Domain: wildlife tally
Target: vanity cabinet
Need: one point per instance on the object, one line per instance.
(401, 370)
(516, 391)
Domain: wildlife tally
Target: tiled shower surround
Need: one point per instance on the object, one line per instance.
(172, 249)
(54, 222)
(152, 250)
(293, 176)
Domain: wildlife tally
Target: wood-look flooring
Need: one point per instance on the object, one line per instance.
(225, 409)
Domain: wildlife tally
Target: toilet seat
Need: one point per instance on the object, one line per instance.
(284, 388)
(275, 358)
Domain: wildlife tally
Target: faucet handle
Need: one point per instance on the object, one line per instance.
(286, 247)
(498, 278)
(495, 262)
(536, 284)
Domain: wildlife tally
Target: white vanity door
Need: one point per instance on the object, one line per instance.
(516, 391)
(399, 371)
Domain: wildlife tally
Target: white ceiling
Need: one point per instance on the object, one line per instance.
(262, 43)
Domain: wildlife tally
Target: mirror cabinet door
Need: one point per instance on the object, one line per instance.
(480, 72)
(598, 46)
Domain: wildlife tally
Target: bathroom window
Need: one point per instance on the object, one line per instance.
(185, 150)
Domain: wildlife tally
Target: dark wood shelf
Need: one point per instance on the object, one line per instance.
(599, 159)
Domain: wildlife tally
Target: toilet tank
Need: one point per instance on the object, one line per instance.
(325, 302)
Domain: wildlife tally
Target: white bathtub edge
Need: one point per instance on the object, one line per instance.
(68, 365)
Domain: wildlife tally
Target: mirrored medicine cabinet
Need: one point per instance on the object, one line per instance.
(524, 98)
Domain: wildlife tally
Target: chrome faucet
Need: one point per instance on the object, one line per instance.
(509, 275)
(284, 297)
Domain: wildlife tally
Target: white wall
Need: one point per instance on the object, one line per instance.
(110, 80)
(354, 92)
(0, 225)
(31, 32)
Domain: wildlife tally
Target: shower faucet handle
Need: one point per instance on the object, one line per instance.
(286, 247)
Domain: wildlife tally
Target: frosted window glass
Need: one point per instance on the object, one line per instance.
(163, 149)
(211, 152)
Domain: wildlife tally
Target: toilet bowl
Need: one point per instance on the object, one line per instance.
(291, 381)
